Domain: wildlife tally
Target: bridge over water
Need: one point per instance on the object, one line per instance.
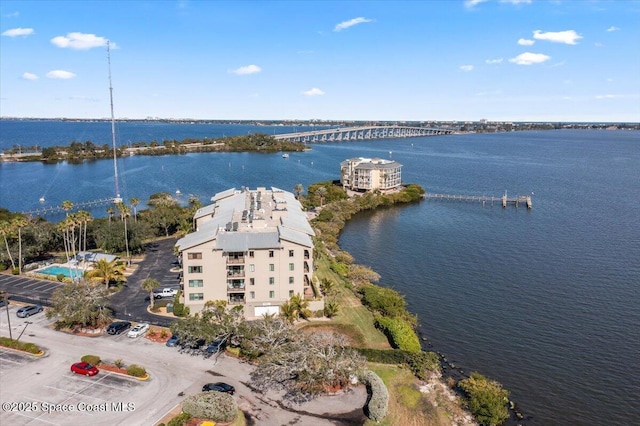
(361, 133)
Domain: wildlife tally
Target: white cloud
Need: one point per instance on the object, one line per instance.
(248, 69)
(494, 61)
(566, 37)
(608, 96)
(313, 92)
(598, 44)
(611, 29)
(609, 80)
(525, 42)
(466, 67)
(529, 58)
(12, 15)
(81, 41)
(15, 32)
(472, 3)
(29, 76)
(346, 24)
(60, 74)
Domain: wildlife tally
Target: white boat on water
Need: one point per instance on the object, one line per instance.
(285, 155)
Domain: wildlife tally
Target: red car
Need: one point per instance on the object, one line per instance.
(84, 368)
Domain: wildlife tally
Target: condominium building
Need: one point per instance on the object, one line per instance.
(366, 174)
(250, 247)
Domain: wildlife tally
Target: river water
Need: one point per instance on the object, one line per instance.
(543, 300)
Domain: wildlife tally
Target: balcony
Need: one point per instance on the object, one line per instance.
(234, 287)
(234, 260)
(235, 299)
(235, 272)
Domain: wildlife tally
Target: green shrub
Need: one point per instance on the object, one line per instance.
(378, 396)
(136, 371)
(421, 363)
(91, 359)
(486, 399)
(180, 420)
(340, 268)
(60, 277)
(216, 406)
(400, 334)
(386, 301)
(118, 363)
(21, 346)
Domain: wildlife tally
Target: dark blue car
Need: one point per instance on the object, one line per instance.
(173, 340)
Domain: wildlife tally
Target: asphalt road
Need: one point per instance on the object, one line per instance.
(30, 385)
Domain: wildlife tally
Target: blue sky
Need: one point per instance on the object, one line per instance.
(501, 60)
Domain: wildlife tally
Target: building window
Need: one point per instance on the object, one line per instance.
(252, 267)
(291, 266)
(195, 269)
(270, 253)
(290, 253)
(196, 296)
(290, 280)
(252, 281)
(272, 267)
(194, 256)
(251, 253)
(290, 293)
(272, 280)
(252, 295)
(195, 283)
(272, 294)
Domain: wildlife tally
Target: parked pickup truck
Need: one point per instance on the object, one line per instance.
(165, 292)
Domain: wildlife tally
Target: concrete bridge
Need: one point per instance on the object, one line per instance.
(361, 133)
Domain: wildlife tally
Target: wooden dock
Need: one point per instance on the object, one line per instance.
(76, 206)
(504, 201)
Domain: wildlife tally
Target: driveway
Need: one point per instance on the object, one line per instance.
(107, 399)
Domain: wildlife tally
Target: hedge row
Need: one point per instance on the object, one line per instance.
(421, 363)
(400, 334)
(378, 398)
(21, 346)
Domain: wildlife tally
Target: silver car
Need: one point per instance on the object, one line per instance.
(27, 311)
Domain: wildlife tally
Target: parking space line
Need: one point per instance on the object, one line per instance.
(75, 393)
(35, 418)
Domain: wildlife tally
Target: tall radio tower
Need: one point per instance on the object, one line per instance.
(117, 198)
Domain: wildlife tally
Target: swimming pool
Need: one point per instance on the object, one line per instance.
(55, 270)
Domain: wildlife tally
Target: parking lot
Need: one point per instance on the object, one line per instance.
(34, 390)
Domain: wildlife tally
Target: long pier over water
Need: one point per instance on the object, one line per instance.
(43, 211)
(361, 133)
(518, 200)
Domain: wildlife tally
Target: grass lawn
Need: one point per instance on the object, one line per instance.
(353, 320)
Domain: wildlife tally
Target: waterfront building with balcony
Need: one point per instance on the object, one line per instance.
(250, 247)
(368, 174)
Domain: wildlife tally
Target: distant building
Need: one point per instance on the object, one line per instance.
(251, 248)
(366, 174)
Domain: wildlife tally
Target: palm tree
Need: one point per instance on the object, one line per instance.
(301, 306)
(321, 192)
(134, 203)
(106, 271)
(331, 308)
(110, 212)
(6, 230)
(19, 222)
(288, 312)
(67, 206)
(149, 284)
(298, 190)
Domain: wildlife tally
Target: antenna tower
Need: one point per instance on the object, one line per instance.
(117, 199)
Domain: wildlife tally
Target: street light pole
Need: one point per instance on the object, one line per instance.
(23, 330)
(5, 297)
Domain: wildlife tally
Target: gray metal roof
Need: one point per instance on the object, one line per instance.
(294, 236)
(223, 194)
(297, 223)
(243, 241)
(205, 211)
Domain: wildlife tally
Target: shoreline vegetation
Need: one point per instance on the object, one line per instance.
(373, 318)
(78, 152)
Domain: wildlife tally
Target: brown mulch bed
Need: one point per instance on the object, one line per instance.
(157, 336)
(112, 368)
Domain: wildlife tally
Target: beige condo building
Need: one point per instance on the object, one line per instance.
(367, 174)
(250, 247)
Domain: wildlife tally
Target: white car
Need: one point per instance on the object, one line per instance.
(138, 330)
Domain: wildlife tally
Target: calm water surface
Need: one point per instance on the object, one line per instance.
(544, 301)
